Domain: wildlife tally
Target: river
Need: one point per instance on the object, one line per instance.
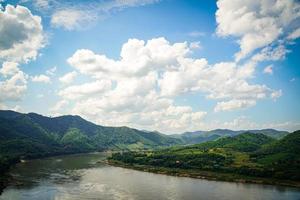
(83, 177)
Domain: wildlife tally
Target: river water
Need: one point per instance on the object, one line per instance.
(83, 177)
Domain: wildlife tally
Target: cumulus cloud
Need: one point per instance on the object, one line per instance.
(41, 78)
(21, 34)
(68, 77)
(270, 53)
(14, 84)
(139, 88)
(256, 23)
(234, 104)
(9, 68)
(85, 90)
(137, 58)
(13, 88)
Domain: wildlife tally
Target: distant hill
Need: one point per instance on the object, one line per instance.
(246, 154)
(204, 136)
(245, 142)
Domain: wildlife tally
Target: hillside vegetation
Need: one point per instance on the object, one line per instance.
(247, 154)
(24, 136)
(204, 136)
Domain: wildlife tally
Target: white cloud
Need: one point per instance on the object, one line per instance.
(137, 58)
(195, 45)
(14, 85)
(234, 105)
(16, 108)
(51, 71)
(80, 15)
(270, 53)
(138, 89)
(221, 81)
(21, 34)
(68, 78)
(41, 78)
(9, 68)
(13, 88)
(59, 105)
(256, 23)
(71, 19)
(294, 35)
(2, 106)
(42, 4)
(85, 90)
(268, 69)
(276, 94)
(150, 112)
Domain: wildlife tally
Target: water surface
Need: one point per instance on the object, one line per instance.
(83, 177)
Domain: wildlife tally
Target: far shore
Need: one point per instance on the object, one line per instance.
(208, 175)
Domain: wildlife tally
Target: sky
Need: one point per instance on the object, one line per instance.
(165, 65)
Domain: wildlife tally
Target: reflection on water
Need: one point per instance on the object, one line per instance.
(83, 177)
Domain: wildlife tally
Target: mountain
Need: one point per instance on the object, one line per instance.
(245, 142)
(243, 155)
(204, 136)
(282, 155)
(32, 135)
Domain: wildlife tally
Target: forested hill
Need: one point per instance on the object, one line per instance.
(244, 155)
(32, 135)
(204, 136)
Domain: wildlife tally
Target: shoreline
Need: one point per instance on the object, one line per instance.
(207, 175)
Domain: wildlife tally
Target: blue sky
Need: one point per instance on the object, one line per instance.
(165, 65)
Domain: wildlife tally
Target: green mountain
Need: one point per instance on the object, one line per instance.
(282, 156)
(32, 135)
(247, 154)
(245, 142)
(204, 136)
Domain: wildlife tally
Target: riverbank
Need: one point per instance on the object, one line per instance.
(208, 175)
